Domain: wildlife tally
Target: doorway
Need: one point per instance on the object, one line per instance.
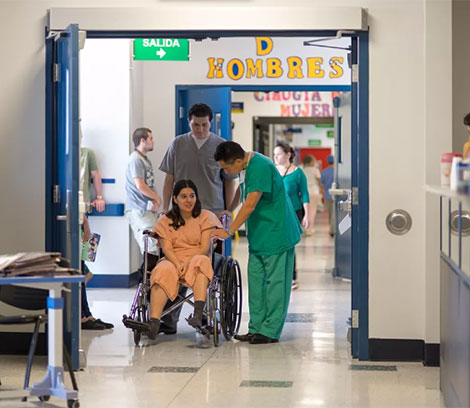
(359, 171)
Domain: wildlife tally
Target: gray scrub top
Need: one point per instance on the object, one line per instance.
(184, 160)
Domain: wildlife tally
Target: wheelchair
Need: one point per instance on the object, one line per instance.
(223, 309)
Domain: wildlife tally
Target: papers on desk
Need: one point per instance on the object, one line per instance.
(33, 263)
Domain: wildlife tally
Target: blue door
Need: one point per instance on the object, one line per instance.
(343, 209)
(62, 163)
(219, 98)
(352, 194)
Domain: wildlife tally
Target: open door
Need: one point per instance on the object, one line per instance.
(352, 193)
(219, 98)
(62, 165)
(343, 208)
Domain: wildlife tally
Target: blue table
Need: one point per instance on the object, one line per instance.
(53, 382)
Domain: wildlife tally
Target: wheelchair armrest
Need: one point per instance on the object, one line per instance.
(151, 234)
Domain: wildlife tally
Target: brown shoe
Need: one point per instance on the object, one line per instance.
(244, 337)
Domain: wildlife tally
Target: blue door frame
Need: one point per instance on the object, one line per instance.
(62, 167)
(360, 178)
(360, 143)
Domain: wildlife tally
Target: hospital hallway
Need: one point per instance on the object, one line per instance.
(309, 367)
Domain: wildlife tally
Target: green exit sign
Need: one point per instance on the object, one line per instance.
(161, 49)
(314, 142)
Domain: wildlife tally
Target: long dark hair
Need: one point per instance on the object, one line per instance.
(287, 149)
(174, 214)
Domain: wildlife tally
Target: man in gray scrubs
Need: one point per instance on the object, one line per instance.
(191, 156)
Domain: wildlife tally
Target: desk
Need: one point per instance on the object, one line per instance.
(454, 295)
(53, 382)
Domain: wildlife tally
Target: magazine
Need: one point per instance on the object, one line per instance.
(90, 248)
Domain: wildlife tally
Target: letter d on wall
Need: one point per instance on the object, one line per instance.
(264, 45)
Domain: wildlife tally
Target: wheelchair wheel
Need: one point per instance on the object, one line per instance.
(231, 298)
(214, 318)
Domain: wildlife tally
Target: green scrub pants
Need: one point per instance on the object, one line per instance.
(269, 287)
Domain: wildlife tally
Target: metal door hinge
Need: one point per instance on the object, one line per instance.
(181, 112)
(355, 195)
(355, 73)
(355, 319)
(55, 72)
(56, 194)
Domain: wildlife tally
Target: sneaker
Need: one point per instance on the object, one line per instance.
(295, 285)
(244, 337)
(154, 326)
(105, 324)
(92, 325)
(260, 339)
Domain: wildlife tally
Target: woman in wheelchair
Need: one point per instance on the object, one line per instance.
(184, 235)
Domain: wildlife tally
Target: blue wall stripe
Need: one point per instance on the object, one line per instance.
(113, 281)
(112, 210)
(107, 181)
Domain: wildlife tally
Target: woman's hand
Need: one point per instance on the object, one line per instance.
(305, 222)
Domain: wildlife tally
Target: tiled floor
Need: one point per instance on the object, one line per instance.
(310, 367)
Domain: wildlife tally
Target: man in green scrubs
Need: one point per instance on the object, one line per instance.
(272, 230)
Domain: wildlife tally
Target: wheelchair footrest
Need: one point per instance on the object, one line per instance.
(204, 330)
(135, 325)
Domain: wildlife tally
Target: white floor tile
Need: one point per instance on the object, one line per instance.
(314, 355)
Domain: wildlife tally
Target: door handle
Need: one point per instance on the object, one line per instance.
(339, 191)
(66, 217)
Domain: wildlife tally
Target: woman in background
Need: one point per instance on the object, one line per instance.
(296, 187)
(313, 182)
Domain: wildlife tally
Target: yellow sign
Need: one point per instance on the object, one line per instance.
(295, 67)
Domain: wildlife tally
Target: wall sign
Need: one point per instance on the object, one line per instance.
(237, 107)
(286, 59)
(161, 49)
(314, 142)
(295, 104)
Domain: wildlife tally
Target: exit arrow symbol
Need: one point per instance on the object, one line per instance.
(161, 53)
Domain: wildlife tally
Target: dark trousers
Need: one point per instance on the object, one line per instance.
(300, 215)
(85, 308)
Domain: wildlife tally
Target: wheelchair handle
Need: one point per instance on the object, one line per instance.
(151, 234)
(224, 220)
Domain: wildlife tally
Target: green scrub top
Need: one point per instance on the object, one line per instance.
(88, 163)
(296, 187)
(272, 227)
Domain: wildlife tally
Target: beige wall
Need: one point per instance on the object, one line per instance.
(460, 71)
(402, 113)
